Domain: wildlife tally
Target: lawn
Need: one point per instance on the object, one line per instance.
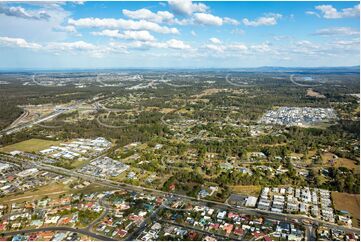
(31, 145)
(246, 190)
(350, 203)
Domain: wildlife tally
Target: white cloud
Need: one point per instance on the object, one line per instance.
(177, 44)
(123, 24)
(18, 42)
(230, 21)
(217, 48)
(262, 48)
(186, 7)
(142, 35)
(313, 13)
(145, 14)
(207, 19)
(337, 31)
(67, 29)
(215, 40)
(69, 46)
(347, 43)
(340, 48)
(329, 12)
(268, 20)
(260, 21)
(193, 33)
(34, 28)
(21, 12)
(170, 44)
(238, 47)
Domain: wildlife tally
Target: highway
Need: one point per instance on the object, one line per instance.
(30, 124)
(14, 129)
(221, 205)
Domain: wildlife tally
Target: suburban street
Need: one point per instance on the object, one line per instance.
(58, 228)
(128, 187)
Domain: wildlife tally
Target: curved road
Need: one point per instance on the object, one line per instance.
(104, 213)
(299, 84)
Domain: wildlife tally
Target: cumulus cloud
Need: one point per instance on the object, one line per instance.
(207, 19)
(186, 7)
(69, 46)
(220, 48)
(142, 35)
(122, 24)
(177, 44)
(145, 14)
(267, 20)
(21, 12)
(337, 31)
(170, 44)
(215, 40)
(18, 42)
(334, 48)
(238, 47)
(329, 12)
(261, 48)
(230, 21)
(216, 48)
(56, 47)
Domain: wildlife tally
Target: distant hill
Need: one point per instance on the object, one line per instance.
(303, 69)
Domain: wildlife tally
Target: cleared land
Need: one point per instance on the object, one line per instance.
(350, 203)
(31, 145)
(340, 162)
(313, 93)
(247, 190)
(51, 190)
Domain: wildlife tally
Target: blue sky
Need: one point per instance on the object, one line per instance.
(178, 33)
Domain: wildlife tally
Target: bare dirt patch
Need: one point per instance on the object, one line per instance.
(350, 203)
(339, 162)
(313, 93)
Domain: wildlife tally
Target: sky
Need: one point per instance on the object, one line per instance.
(178, 34)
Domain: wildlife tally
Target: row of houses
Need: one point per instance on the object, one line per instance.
(314, 202)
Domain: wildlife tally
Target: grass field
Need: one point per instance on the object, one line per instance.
(51, 190)
(340, 162)
(350, 203)
(246, 190)
(93, 188)
(31, 145)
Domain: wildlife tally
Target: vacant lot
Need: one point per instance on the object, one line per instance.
(350, 203)
(31, 145)
(246, 190)
(313, 93)
(51, 190)
(340, 162)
